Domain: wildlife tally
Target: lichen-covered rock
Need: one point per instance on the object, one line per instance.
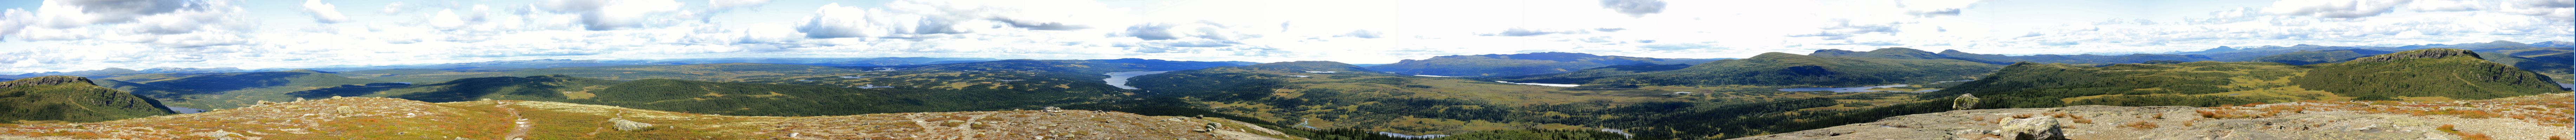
(2037, 128)
(1964, 102)
(625, 125)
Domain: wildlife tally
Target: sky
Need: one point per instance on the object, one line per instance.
(68, 35)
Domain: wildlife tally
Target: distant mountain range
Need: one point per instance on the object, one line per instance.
(1517, 64)
(1784, 69)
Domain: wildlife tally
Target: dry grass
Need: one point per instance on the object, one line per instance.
(2081, 119)
(2140, 125)
(2448, 128)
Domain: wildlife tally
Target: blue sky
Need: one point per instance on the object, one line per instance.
(62, 35)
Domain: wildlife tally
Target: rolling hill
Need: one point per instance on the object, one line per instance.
(1783, 69)
(2453, 73)
(73, 99)
(2080, 58)
(2313, 57)
(1514, 64)
(2448, 73)
(750, 99)
(224, 90)
(1901, 53)
(1341, 97)
(2035, 85)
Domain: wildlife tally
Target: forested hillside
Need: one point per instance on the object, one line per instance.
(2030, 85)
(68, 98)
(1783, 69)
(1301, 93)
(2453, 73)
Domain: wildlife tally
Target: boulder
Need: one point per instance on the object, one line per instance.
(1964, 102)
(2036, 128)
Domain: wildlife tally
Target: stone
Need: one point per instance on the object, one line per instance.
(1964, 102)
(2035, 128)
(625, 125)
(1054, 109)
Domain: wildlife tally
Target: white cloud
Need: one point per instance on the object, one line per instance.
(720, 6)
(2334, 8)
(2445, 5)
(1634, 8)
(13, 20)
(2556, 9)
(1934, 8)
(598, 15)
(730, 4)
(175, 24)
(446, 20)
(1844, 29)
(908, 19)
(324, 13)
(392, 8)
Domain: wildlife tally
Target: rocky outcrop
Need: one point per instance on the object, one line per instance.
(2039, 128)
(46, 80)
(2425, 53)
(625, 125)
(1964, 102)
(2525, 117)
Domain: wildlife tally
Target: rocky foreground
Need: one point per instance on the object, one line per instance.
(388, 118)
(2533, 117)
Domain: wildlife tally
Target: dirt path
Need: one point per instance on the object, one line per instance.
(522, 126)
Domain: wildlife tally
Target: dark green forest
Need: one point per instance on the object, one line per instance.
(2453, 73)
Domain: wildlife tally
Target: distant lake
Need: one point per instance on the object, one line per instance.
(1842, 89)
(184, 110)
(1119, 79)
(2568, 86)
(1401, 135)
(1539, 84)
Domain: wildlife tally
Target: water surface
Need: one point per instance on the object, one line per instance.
(1119, 79)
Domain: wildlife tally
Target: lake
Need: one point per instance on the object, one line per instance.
(1842, 89)
(1552, 85)
(184, 110)
(1119, 79)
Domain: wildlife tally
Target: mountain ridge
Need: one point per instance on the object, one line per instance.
(70, 98)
